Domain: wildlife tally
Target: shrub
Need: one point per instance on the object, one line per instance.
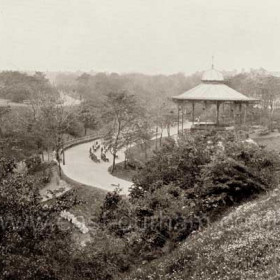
(187, 185)
(32, 163)
(32, 245)
(104, 258)
(178, 164)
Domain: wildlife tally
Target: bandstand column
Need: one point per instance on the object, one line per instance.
(240, 111)
(234, 113)
(218, 113)
(193, 112)
(245, 113)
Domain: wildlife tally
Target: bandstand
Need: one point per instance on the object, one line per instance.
(213, 90)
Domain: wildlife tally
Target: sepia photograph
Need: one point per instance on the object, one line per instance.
(139, 140)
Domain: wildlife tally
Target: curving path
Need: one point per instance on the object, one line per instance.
(81, 168)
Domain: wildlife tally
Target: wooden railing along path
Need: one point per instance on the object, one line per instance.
(70, 143)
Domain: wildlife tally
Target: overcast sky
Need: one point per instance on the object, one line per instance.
(149, 36)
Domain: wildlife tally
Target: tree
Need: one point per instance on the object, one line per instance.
(262, 85)
(144, 133)
(3, 112)
(18, 86)
(163, 118)
(32, 243)
(57, 121)
(52, 121)
(87, 115)
(269, 92)
(121, 114)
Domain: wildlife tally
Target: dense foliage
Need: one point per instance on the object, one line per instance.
(32, 243)
(17, 86)
(186, 186)
(87, 116)
(151, 90)
(123, 120)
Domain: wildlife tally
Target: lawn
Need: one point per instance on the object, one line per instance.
(91, 200)
(87, 212)
(141, 153)
(123, 173)
(136, 155)
(271, 143)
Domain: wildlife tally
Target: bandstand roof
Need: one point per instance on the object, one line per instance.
(212, 88)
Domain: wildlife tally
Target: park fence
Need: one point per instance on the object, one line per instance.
(70, 143)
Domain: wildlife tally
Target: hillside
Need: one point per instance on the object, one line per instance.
(243, 245)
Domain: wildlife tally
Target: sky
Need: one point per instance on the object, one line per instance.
(147, 36)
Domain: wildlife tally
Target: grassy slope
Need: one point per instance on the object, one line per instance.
(137, 153)
(244, 245)
(271, 142)
(87, 211)
(122, 173)
(91, 200)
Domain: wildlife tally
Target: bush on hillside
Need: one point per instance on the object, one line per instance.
(187, 185)
(33, 163)
(179, 164)
(104, 258)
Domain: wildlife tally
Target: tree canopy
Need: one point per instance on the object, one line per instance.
(18, 86)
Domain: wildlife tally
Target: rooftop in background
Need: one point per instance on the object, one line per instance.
(213, 88)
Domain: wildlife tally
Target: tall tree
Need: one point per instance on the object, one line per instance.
(269, 93)
(87, 115)
(52, 121)
(121, 113)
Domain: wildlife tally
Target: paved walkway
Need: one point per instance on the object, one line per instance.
(79, 167)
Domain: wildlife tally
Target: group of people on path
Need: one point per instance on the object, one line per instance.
(95, 147)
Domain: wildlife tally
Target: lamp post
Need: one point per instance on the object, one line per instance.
(156, 136)
(178, 119)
